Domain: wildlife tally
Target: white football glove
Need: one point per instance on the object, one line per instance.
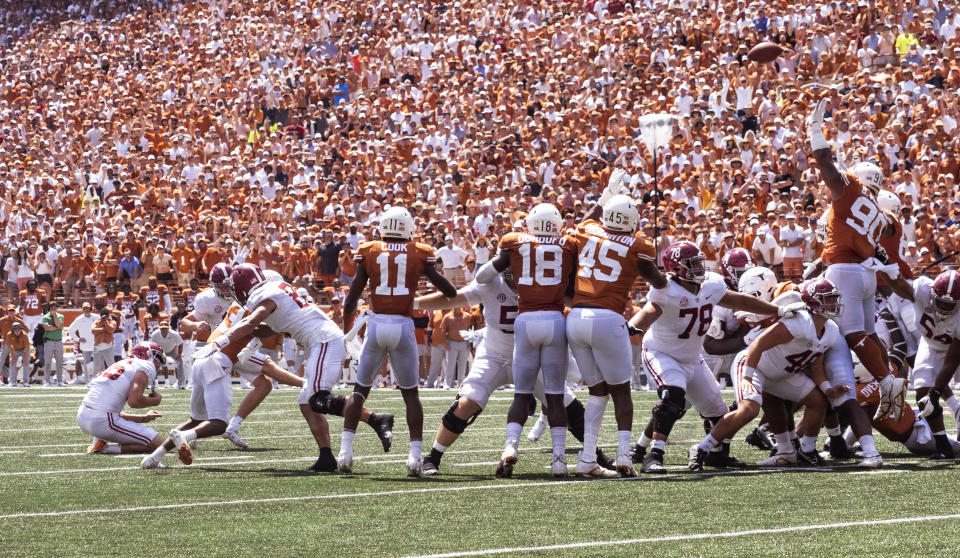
(752, 335)
(789, 310)
(614, 187)
(205, 351)
(930, 405)
(815, 127)
(815, 118)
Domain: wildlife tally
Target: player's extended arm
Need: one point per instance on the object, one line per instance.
(439, 301)
(648, 270)
(822, 153)
(772, 337)
(149, 416)
(135, 397)
(646, 316)
(190, 323)
(353, 296)
(439, 281)
(900, 286)
(819, 376)
(739, 301)
(728, 345)
(489, 270)
(245, 328)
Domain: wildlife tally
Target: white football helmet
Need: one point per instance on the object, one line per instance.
(396, 222)
(888, 201)
(544, 220)
(620, 214)
(869, 175)
(759, 282)
(272, 276)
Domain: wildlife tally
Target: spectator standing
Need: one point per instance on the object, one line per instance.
(184, 262)
(6, 325)
(453, 259)
(129, 269)
(438, 346)
(767, 252)
(17, 343)
(81, 331)
(328, 259)
(172, 345)
(457, 350)
(791, 240)
(103, 330)
(52, 323)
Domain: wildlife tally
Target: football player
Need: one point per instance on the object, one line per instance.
(610, 256)
(541, 261)
(123, 383)
(776, 363)
(32, 302)
(393, 267)
(853, 255)
(209, 306)
(678, 316)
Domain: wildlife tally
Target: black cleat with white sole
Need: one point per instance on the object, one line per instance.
(326, 463)
(429, 468)
(382, 424)
(653, 463)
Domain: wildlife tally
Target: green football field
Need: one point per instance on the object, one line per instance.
(57, 501)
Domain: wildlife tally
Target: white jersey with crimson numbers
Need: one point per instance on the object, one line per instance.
(685, 319)
(499, 312)
(794, 357)
(210, 307)
(108, 390)
(937, 333)
(304, 322)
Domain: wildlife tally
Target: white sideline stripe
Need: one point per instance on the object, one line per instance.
(880, 472)
(478, 463)
(694, 536)
(220, 457)
(62, 454)
(11, 451)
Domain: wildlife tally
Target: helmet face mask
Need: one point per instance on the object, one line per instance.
(822, 298)
(149, 351)
(220, 280)
(734, 264)
(685, 260)
(759, 282)
(945, 295)
(244, 279)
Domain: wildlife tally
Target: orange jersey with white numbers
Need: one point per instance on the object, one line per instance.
(155, 296)
(541, 266)
(149, 324)
(868, 395)
(188, 296)
(394, 270)
(234, 314)
(854, 223)
(32, 303)
(607, 265)
(126, 304)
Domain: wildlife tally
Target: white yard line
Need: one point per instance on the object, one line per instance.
(691, 537)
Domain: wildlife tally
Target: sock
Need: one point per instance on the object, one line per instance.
(558, 435)
(808, 443)
(111, 448)
(658, 446)
(346, 443)
(953, 403)
(834, 431)
(416, 449)
(623, 441)
(644, 441)
(593, 418)
(235, 423)
(793, 435)
(866, 444)
(783, 442)
(708, 443)
(159, 452)
(513, 435)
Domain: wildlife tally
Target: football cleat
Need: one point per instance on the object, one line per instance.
(414, 465)
(538, 428)
(723, 459)
(891, 399)
(345, 464)
(150, 463)
(558, 468)
(639, 452)
(590, 469)
(940, 456)
(838, 448)
(382, 424)
(184, 453)
(696, 458)
(625, 465)
(779, 460)
(325, 463)
(429, 469)
(604, 460)
(97, 446)
(760, 438)
(653, 463)
(234, 437)
(874, 462)
(811, 458)
(507, 461)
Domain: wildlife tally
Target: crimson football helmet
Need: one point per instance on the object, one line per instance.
(733, 264)
(946, 294)
(821, 297)
(220, 280)
(685, 260)
(244, 278)
(149, 351)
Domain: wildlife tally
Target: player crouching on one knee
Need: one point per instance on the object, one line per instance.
(101, 412)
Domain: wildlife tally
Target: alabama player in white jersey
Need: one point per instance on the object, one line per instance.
(676, 319)
(776, 363)
(209, 306)
(492, 364)
(936, 303)
(123, 383)
(734, 264)
(853, 255)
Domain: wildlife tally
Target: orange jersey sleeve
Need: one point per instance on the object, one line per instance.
(394, 270)
(607, 265)
(541, 266)
(853, 224)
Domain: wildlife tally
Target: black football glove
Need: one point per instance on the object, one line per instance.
(634, 331)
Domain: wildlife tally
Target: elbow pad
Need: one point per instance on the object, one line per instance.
(486, 273)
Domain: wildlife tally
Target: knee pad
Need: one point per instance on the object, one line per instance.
(325, 403)
(455, 424)
(669, 409)
(575, 412)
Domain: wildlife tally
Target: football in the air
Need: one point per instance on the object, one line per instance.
(765, 52)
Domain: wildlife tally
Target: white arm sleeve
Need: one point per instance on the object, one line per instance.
(486, 273)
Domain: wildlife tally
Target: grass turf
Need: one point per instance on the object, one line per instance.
(277, 508)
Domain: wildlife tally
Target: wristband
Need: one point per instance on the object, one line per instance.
(749, 372)
(825, 386)
(221, 342)
(817, 141)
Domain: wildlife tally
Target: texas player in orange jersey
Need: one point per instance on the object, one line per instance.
(610, 257)
(393, 267)
(32, 302)
(154, 293)
(853, 255)
(541, 262)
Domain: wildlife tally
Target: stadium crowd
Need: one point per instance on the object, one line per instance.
(141, 143)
